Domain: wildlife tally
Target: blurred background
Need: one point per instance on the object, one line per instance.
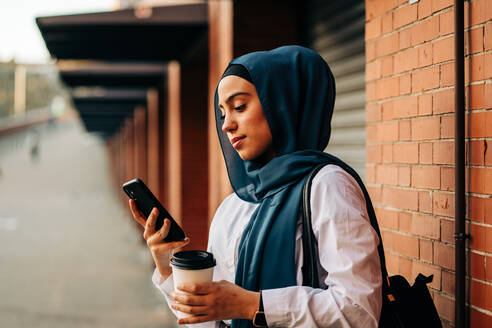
(95, 93)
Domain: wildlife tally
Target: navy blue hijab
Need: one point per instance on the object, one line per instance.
(297, 92)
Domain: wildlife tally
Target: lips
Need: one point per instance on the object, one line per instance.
(236, 141)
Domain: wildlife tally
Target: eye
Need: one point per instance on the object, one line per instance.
(240, 108)
(222, 115)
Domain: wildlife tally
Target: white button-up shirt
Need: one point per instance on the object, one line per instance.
(349, 266)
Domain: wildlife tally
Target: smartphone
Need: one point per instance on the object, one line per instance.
(146, 201)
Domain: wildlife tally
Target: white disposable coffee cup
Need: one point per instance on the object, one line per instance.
(192, 266)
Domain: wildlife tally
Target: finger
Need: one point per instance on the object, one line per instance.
(197, 288)
(195, 310)
(150, 224)
(159, 246)
(161, 234)
(137, 216)
(187, 299)
(196, 319)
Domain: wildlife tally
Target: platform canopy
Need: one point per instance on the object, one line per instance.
(104, 110)
(107, 74)
(155, 34)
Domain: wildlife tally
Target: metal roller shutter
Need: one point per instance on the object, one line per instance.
(335, 29)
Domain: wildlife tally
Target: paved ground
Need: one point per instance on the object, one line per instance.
(69, 254)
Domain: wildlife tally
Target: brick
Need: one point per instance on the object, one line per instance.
(477, 177)
(426, 128)
(425, 202)
(447, 127)
(443, 153)
(488, 154)
(388, 153)
(400, 198)
(487, 70)
(477, 263)
(426, 177)
(425, 153)
(477, 96)
(387, 88)
(373, 70)
(372, 133)
(387, 219)
(405, 267)
(404, 132)
(375, 8)
(443, 50)
(373, 112)
(425, 30)
(404, 176)
(444, 306)
(406, 245)
(404, 16)
(387, 110)
(387, 23)
(477, 208)
(447, 231)
(477, 152)
(443, 101)
(441, 4)
(447, 75)
(444, 255)
(425, 55)
(370, 173)
(479, 319)
(488, 268)
(448, 280)
(479, 236)
(387, 66)
(387, 45)
(405, 38)
(474, 41)
(371, 91)
(373, 29)
(426, 79)
(407, 153)
(386, 174)
(405, 222)
(405, 84)
(426, 251)
(406, 60)
(370, 50)
(375, 193)
(447, 178)
(424, 8)
(374, 153)
(446, 22)
(477, 125)
(488, 91)
(488, 36)
(426, 269)
(405, 107)
(478, 12)
(480, 295)
(426, 226)
(425, 104)
(477, 68)
(443, 204)
(392, 262)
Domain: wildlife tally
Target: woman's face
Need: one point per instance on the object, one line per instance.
(244, 120)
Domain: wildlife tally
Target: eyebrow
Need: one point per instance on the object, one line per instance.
(229, 99)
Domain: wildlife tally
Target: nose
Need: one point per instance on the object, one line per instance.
(229, 123)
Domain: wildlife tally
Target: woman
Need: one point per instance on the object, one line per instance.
(273, 111)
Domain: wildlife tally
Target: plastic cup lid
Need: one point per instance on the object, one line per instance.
(193, 260)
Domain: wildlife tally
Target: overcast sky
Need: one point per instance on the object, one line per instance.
(19, 35)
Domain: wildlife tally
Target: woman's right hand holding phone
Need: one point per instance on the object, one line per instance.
(161, 251)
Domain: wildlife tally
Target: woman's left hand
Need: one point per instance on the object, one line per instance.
(218, 300)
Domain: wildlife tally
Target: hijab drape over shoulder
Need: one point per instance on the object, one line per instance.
(297, 92)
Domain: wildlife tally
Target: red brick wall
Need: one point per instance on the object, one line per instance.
(410, 143)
